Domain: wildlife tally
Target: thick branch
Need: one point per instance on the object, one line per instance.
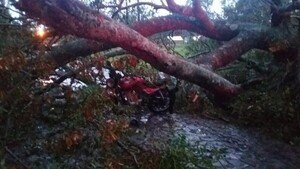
(184, 10)
(257, 37)
(155, 25)
(231, 50)
(61, 55)
(197, 12)
(202, 16)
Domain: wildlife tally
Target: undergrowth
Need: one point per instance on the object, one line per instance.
(276, 111)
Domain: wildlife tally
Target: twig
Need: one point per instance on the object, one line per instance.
(15, 157)
(129, 152)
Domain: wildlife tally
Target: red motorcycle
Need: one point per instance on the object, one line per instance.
(135, 90)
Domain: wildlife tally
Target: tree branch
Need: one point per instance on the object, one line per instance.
(155, 6)
(202, 16)
(197, 12)
(230, 51)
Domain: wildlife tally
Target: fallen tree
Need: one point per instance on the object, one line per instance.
(103, 33)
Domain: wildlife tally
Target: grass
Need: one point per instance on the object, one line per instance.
(182, 155)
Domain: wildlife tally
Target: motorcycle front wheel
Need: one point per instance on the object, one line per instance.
(159, 101)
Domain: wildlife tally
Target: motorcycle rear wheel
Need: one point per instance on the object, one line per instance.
(159, 101)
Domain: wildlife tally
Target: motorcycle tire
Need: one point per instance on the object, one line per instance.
(159, 101)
